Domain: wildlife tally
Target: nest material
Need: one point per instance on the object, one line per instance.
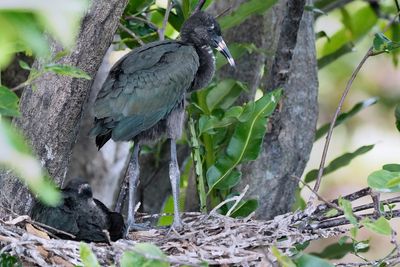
(214, 239)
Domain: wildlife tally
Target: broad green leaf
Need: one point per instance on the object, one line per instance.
(137, 257)
(379, 180)
(24, 65)
(391, 167)
(331, 212)
(237, 50)
(245, 208)
(338, 163)
(87, 256)
(321, 34)
(9, 102)
(245, 143)
(380, 226)
(383, 44)
(328, 59)
(348, 210)
(67, 71)
(307, 260)
(186, 8)
(8, 260)
(283, 260)
(343, 117)
(231, 116)
(397, 116)
(245, 10)
(393, 182)
(338, 251)
(16, 155)
(224, 94)
(360, 28)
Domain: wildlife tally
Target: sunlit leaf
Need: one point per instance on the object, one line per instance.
(9, 102)
(245, 10)
(348, 210)
(283, 260)
(16, 155)
(24, 65)
(379, 180)
(137, 257)
(67, 71)
(245, 143)
(380, 226)
(87, 256)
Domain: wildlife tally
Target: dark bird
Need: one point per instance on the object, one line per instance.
(80, 215)
(143, 98)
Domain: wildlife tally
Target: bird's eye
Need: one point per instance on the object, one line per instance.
(211, 28)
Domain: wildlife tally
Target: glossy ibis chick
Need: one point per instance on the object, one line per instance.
(143, 98)
(80, 215)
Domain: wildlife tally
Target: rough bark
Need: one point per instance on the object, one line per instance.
(287, 146)
(51, 114)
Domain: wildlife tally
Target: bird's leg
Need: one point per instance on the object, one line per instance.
(133, 174)
(174, 176)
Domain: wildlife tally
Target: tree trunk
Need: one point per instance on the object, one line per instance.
(51, 114)
(288, 143)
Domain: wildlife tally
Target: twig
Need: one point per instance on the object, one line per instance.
(329, 204)
(131, 33)
(161, 31)
(151, 24)
(333, 122)
(239, 198)
(199, 6)
(235, 198)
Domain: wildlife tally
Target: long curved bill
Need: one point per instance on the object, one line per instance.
(220, 45)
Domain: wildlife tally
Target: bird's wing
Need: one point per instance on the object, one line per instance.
(144, 86)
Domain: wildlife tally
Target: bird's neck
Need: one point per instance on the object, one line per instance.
(206, 68)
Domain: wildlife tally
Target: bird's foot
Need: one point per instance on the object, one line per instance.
(176, 226)
(136, 227)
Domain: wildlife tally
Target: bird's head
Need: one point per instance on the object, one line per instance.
(202, 29)
(80, 187)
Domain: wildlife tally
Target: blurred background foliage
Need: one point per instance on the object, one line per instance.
(365, 140)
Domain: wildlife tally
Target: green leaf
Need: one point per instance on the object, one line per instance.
(24, 65)
(380, 226)
(393, 167)
(341, 51)
(87, 256)
(146, 255)
(393, 182)
(9, 102)
(284, 260)
(224, 94)
(245, 143)
(16, 155)
(67, 71)
(8, 260)
(331, 213)
(360, 27)
(348, 210)
(338, 251)
(378, 180)
(338, 163)
(245, 208)
(343, 117)
(244, 11)
(397, 116)
(383, 44)
(307, 260)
